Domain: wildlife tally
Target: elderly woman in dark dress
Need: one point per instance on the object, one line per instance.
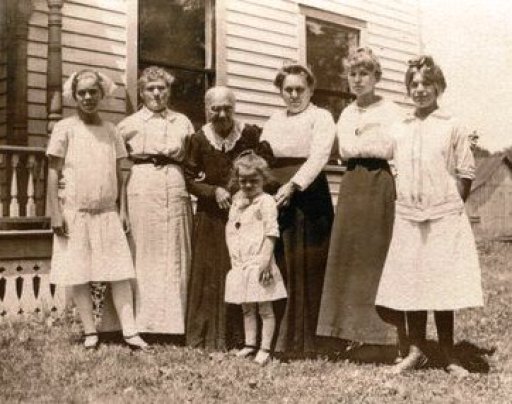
(301, 138)
(211, 323)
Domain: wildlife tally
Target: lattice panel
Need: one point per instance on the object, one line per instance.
(25, 288)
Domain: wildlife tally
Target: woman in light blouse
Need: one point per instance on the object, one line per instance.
(365, 213)
(301, 137)
(432, 263)
(159, 207)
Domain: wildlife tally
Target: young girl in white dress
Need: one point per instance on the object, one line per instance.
(432, 263)
(89, 243)
(254, 280)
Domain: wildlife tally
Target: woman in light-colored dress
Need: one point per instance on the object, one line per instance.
(89, 243)
(159, 207)
(301, 137)
(432, 263)
(364, 218)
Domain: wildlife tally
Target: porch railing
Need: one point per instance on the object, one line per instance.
(23, 170)
(25, 235)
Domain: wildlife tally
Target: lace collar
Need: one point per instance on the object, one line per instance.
(220, 143)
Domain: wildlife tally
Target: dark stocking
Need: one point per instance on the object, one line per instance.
(417, 325)
(444, 325)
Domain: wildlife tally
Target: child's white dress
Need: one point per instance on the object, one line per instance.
(250, 222)
(432, 262)
(96, 249)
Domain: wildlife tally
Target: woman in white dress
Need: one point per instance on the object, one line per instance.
(89, 243)
(432, 263)
(159, 207)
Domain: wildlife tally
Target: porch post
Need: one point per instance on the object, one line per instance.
(54, 70)
(17, 108)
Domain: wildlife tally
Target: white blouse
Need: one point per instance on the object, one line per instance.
(90, 153)
(309, 134)
(146, 132)
(364, 132)
(430, 155)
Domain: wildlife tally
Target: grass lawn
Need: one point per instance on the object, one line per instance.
(43, 361)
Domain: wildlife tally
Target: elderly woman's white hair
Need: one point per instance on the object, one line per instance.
(230, 95)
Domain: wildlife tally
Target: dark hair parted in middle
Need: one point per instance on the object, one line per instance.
(294, 69)
(425, 65)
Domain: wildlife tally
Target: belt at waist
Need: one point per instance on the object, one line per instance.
(280, 162)
(370, 163)
(96, 211)
(155, 159)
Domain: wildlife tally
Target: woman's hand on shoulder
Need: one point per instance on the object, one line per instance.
(285, 193)
(59, 225)
(223, 198)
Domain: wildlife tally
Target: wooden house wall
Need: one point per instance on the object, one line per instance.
(258, 35)
(254, 38)
(491, 205)
(93, 35)
(3, 69)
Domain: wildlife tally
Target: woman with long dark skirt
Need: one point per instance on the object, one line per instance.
(364, 217)
(301, 138)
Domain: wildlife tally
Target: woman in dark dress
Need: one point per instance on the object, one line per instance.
(364, 217)
(211, 323)
(301, 138)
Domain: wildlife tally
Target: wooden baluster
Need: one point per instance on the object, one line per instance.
(31, 205)
(14, 207)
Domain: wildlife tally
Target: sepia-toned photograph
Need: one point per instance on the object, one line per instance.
(252, 201)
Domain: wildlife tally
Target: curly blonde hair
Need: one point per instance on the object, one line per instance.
(250, 161)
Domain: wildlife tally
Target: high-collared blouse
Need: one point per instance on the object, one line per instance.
(146, 132)
(430, 155)
(364, 132)
(309, 134)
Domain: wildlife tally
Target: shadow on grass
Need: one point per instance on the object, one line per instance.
(471, 356)
(114, 338)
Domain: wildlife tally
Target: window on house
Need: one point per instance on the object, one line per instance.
(179, 35)
(327, 47)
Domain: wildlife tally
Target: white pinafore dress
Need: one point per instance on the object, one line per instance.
(250, 222)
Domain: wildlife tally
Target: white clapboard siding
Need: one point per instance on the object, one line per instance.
(93, 36)
(262, 34)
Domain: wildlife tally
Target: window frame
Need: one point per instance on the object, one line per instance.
(134, 58)
(332, 18)
(336, 19)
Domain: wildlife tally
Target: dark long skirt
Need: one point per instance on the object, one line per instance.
(211, 323)
(359, 243)
(301, 254)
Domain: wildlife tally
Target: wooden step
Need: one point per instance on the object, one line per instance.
(24, 223)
